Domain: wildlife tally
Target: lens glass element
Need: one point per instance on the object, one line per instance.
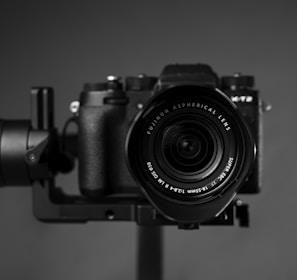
(187, 149)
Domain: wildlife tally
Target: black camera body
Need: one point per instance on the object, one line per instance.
(105, 114)
(189, 140)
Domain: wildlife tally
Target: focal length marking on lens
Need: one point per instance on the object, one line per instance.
(162, 182)
(183, 105)
(194, 191)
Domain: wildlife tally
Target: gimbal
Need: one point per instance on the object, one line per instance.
(33, 152)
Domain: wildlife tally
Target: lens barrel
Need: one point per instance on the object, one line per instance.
(189, 148)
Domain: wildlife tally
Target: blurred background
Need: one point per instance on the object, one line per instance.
(64, 44)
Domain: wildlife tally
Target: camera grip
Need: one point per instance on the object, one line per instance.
(92, 151)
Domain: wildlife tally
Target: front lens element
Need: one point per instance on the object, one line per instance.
(187, 149)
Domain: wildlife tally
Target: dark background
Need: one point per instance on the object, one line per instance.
(66, 43)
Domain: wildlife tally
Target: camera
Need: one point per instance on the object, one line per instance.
(186, 141)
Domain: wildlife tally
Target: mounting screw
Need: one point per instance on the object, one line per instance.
(109, 215)
(32, 158)
(239, 202)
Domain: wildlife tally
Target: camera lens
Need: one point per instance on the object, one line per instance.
(189, 144)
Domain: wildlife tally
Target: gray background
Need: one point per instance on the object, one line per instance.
(64, 44)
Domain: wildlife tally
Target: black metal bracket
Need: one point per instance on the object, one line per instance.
(51, 204)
